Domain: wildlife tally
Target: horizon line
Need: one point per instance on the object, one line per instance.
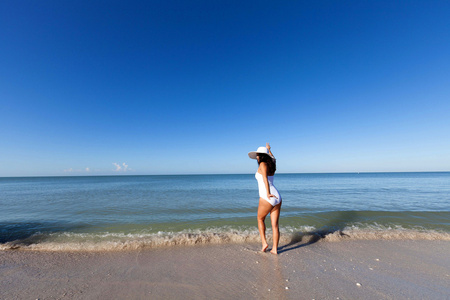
(204, 174)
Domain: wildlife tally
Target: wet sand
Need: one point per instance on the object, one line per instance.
(349, 269)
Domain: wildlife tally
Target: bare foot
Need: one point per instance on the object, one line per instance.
(264, 247)
(274, 251)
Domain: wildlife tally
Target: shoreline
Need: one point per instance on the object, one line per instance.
(349, 269)
(100, 242)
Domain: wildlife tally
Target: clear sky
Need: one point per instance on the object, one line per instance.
(189, 87)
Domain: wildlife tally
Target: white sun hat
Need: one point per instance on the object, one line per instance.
(262, 150)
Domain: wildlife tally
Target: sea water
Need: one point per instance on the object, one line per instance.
(130, 212)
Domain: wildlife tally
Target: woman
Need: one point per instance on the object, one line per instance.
(269, 198)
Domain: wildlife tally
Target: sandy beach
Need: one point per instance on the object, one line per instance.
(349, 269)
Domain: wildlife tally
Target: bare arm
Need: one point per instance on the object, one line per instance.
(268, 148)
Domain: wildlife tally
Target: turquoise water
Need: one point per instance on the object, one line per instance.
(146, 211)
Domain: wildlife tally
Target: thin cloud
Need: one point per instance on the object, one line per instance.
(121, 167)
(72, 170)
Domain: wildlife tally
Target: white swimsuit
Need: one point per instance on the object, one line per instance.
(273, 190)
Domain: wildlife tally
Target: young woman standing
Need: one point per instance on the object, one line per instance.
(269, 198)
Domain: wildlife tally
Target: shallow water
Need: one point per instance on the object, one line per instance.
(119, 211)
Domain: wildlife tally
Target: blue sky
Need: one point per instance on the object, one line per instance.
(189, 87)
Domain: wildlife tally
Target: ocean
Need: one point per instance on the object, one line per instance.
(133, 212)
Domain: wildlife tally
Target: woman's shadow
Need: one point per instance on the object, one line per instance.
(302, 239)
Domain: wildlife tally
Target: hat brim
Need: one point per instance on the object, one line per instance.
(252, 154)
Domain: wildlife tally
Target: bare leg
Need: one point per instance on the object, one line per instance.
(263, 210)
(274, 217)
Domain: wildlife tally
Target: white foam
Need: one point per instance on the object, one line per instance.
(119, 241)
(379, 232)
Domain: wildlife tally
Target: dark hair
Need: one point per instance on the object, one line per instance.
(271, 165)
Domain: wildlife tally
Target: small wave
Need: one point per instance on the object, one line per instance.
(379, 232)
(68, 241)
